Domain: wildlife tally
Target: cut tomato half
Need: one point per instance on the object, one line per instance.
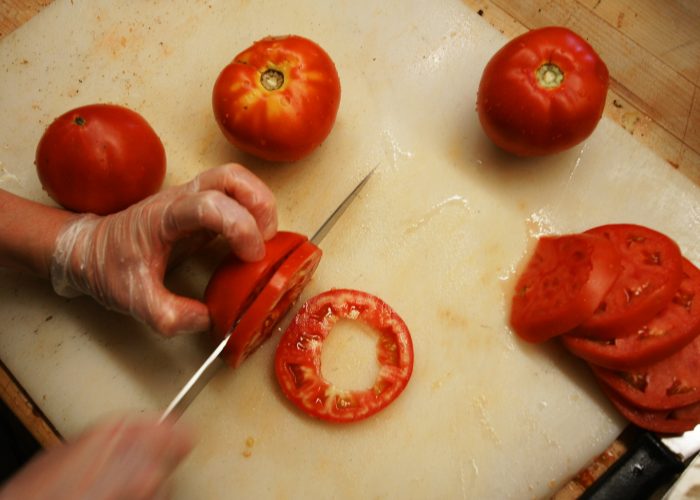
(651, 274)
(298, 356)
(562, 285)
(669, 331)
(670, 383)
(674, 421)
(273, 301)
(235, 283)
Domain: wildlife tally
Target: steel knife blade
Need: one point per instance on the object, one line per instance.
(206, 371)
(649, 463)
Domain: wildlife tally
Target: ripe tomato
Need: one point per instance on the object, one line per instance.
(100, 158)
(671, 329)
(651, 274)
(278, 99)
(235, 283)
(542, 93)
(275, 299)
(674, 421)
(670, 383)
(298, 356)
(562, 284)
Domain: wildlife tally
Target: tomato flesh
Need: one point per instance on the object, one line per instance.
(650, 276)
(542, 93)
(100, 159)
(235, 283)
(562, 285)
(676, 325)
(298, 356)
(275, 299)
(670, 383)
(278, 99)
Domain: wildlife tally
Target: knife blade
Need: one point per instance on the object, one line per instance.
(649, 463)
(206, 371)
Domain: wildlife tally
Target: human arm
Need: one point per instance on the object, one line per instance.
(120, 259)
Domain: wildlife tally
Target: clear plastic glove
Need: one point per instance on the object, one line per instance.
(120, 259)
(114, 460)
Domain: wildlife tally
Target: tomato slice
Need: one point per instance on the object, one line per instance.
(670, 383)
(235, 283)
(562, 285)
(298, 357)
(670, 330)
(651, 274)
(674, 421)
(275, 299)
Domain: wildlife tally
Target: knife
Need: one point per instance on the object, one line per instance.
(206, 371)
(649, 463)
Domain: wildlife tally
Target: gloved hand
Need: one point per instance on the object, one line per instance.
(120, 259)
(114, 460)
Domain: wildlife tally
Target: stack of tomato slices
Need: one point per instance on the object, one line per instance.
(251, 296)
(622, 298)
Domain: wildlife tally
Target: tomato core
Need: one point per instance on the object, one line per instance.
(549, 76)
(79, 121)
(272, 79)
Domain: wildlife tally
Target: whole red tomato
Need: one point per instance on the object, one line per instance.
(278, 99)
(542, 93)
(100, 158)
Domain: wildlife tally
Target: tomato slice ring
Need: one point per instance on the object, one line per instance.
(668, 332)
(275, 299)
(235, 283)
(651, 274)
(562, 285)
(674, 421)
(670, 383)
(298, 356)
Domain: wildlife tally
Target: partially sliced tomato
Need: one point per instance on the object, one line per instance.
(670, 383)
(298, 357)
(275, 299)
(651, 274)
(562, 285)
(662, 421)
(670, 330)
(235, 283)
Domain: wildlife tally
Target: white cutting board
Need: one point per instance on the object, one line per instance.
(438, 233)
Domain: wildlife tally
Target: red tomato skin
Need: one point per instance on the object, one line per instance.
(280, 125)
(669, 331)
(298, 357)
(562, 285)
(235, 283)
(526, 119)
(652, 268)
(273, 301)
(100, 158)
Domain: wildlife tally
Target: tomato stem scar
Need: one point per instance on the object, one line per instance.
(79, 121)
(272, 79)
(549, 75)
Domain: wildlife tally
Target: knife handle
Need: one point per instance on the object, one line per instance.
(638, 473)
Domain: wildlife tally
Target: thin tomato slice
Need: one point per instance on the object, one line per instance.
(651, 274)
(669, 331)
(275, 299)
(562, 285)
(235, 283)
(670, 383)
(674, 421)
(298, 357)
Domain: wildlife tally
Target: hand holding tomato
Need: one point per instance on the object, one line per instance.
(542, 93)
(120, 259)
(278, 99)
(100, 159)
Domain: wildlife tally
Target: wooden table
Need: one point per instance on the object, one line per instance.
(652, 49)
